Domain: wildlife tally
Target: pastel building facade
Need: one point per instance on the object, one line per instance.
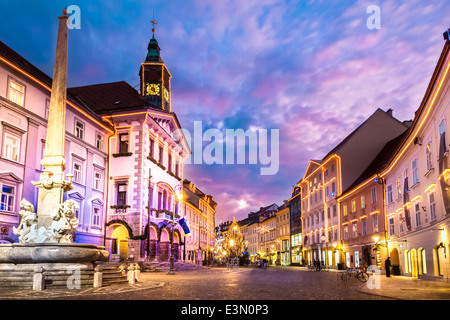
(24, 104)
(417, 181)
(324, 181)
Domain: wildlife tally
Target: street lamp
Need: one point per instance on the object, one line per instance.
(179, 195)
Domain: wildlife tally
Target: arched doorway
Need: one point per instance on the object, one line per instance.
(439, 256)
(414, 268)
(118, 249)
(152, 240)
(164, 244)
(395, 261)
(176, 245)
(422, 261)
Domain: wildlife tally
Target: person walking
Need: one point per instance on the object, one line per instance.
(387, 265)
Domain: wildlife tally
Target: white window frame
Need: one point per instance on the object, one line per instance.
(11, 152)
(375, 223)
(373, 192)
(96, 216)
(7, 197)
(77, 174)
(429, 156)
(389, 195)
(391, 226)
(98, 182)
(432, 203)
(99, 143)
(415, 171)
(417, 214)
(80, 131)
(15, 95)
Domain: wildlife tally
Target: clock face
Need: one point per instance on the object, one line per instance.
(166, 94)
(153, 89)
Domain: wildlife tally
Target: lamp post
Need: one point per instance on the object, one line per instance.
(179, 195)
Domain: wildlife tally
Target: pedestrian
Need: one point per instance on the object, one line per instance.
(387, 265)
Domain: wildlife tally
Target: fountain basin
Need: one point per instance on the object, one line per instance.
(24, 253)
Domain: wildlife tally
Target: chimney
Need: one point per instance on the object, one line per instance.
(390, 112)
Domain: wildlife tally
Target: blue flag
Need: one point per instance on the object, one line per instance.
(184, 224)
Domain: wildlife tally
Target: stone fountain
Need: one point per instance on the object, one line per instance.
(46, 249)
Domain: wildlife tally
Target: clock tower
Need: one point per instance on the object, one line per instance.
(155, 78)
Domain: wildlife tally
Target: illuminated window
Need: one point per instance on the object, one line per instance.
(391, 226)
(417, 211)
(432, 207)
(123, 142)
(442, 134)
(399, 188)
(355, 230)
(344, 209)
(345, 232)
(161, 155)
(97, 180)
(152, 148)
(415, 172)
(428, 156)
(16, 92)
(99, 141)
(374, 195)
(364, 227)
(121, 198)
(363, 201)
(77, 172)
(390, 198)
(79, 129)
(11, 147)
(96, 217)
(353, 206)
(375, 223)
(8, 194)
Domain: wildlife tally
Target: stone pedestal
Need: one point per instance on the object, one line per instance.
(40, 266)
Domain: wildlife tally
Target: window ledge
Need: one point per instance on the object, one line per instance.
(429, 172)
(124, 154)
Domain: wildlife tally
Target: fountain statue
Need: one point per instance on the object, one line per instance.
(46, 237)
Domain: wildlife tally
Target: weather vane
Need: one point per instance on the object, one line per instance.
(154, 23)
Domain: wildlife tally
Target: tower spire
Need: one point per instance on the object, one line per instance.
(153, 47)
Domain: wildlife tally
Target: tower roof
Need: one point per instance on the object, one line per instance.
(153, 48)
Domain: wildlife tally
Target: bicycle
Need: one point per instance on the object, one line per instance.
(362, 275)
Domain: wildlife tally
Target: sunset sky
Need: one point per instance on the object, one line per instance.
(311, 69)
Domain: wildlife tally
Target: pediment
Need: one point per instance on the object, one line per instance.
(10, 176)
(76, 196)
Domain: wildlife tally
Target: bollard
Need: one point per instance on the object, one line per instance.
(98, 277)
(130, 275)
(122, 269)
(137, 272)
(39, 279)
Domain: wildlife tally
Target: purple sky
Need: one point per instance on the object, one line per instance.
(311, 69)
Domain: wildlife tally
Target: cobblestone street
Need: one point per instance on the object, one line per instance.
(274, 283)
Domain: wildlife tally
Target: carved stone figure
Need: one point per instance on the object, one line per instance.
(27, 228)
(64, 223)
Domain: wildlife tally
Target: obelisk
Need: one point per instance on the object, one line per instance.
(52, 183)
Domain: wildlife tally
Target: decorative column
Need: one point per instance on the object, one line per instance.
(52, 183)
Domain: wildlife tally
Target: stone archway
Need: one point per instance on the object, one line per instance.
(176, 244)
(118, 244)
(152, 250)
(395, 261)
(164, 244)
(414, 268)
